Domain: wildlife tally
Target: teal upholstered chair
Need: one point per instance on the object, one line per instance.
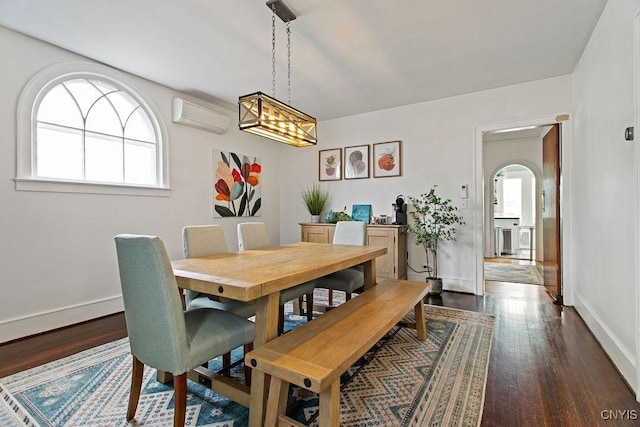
(254, 235)
(350, 279)
(161, 334)
(207, 240)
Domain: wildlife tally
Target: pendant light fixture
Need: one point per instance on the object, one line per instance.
(264, 115)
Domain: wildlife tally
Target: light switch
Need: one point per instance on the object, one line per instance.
(464, 193)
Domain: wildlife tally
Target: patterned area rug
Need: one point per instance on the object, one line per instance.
(503, 272)
(408, 383)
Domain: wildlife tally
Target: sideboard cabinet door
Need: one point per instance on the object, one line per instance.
(393, 237)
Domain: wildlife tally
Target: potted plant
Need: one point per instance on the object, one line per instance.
(333, 217)
(434, 221)
(314, 199)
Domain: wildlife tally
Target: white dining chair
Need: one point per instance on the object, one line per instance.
(202, 241)
(349, 279)
(254, 235)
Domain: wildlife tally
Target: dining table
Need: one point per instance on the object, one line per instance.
(259, 275)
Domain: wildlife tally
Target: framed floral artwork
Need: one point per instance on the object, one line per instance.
(356, 162)
(330, 164)
(236, 184)
(387, 159)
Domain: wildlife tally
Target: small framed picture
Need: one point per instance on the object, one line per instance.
(361, 213)
(330, 164)
(356, 162)
(387, 159)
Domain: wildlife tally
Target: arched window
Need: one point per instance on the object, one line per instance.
(90, 128)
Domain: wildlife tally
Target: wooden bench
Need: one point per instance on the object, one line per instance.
(315, 355)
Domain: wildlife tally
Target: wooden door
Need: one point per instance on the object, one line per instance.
(551, 212)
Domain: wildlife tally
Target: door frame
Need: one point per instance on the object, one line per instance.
(636, 83)
(565, 195)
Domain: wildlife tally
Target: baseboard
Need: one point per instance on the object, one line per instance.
(619, 355)
(36, 323)
(448, 284)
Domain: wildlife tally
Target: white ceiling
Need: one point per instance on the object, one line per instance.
(348, 57)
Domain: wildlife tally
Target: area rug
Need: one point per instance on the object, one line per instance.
(503, 272)
(440, 381)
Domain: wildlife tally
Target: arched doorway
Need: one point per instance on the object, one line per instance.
(514, 212)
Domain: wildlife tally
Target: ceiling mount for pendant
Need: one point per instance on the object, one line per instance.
(281, 10)
(263, 115)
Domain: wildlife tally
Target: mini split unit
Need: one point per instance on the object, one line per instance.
(198, 116)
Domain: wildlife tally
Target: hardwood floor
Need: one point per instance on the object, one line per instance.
(546, 368)
(18, 355)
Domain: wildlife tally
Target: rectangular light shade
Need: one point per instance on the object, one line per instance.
(266, 116)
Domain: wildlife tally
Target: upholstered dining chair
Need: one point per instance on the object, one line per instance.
(350, 279)
(254, 235)
(161, 334)
(202, 241)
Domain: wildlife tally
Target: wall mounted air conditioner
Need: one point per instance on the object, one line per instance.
(201, 117)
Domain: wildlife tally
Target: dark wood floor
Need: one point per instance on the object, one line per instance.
(546, 369)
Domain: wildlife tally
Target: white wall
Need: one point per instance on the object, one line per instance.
(496, 155)
(57, 256)
(438, 147)
(605, 169)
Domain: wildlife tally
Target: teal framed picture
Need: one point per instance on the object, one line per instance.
(361, 213)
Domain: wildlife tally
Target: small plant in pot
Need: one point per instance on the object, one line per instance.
(434, 221)
(314, 199)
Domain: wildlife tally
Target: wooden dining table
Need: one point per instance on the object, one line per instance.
(259, 275)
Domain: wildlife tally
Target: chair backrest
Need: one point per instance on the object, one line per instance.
(252, 235)
(203, 240)
(152, 303)
(350, 233)
(199, 241)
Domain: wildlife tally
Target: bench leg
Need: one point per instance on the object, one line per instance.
(277, 403)
(330, 406)
(421, 321)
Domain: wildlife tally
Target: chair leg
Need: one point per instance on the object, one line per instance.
(281, 320)
(297, 305)
(136, 386)
(180, 399)
(309, 307)
(247, 368)
(226, 364)
(347, 296)
(330, 297)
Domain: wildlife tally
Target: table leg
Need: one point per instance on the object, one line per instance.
(369, 268)
(266, 329)
(421, 321)
(278, 394)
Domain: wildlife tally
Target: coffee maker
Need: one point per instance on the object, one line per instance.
(399, 211)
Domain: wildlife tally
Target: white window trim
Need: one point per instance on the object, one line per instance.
(25, 145)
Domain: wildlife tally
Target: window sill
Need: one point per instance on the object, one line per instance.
(54, 186)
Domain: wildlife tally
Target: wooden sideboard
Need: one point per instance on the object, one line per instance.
(393, 237)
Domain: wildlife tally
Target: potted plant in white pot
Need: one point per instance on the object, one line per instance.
(314, 199)
(434, 221)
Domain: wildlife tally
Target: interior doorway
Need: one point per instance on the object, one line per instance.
(517, 141)
(513, 240)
